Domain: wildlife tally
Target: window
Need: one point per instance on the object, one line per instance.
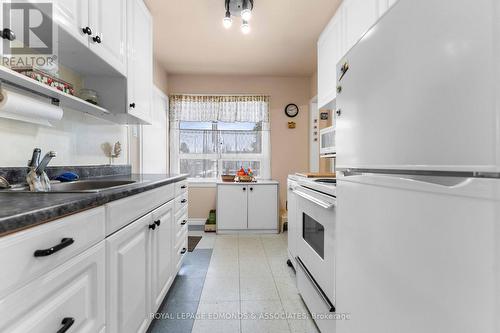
(210, 149)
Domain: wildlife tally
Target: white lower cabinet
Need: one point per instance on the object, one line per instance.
(162, 265)
(67, 276)
(72, 296)
(128, 278)
(262, 207)
(251, 207)
(231, 207)
(143, 259)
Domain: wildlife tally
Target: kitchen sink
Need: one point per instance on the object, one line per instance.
(79, 186)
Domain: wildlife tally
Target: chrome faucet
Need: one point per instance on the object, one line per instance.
(35, 163)
(45, 161)
(36, 178)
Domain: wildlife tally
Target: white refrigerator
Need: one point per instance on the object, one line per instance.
(418, 141)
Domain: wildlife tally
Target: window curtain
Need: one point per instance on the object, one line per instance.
(219, 108)
(201, 108)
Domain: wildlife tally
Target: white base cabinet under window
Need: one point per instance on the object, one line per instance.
(247, 207)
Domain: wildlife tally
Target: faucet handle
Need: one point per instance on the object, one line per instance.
(52, 153)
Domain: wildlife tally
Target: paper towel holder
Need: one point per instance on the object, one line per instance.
(53, 100)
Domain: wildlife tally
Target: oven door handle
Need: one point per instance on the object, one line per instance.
(317, 201)
(329, 305)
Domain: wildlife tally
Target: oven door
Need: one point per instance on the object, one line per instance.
(315, 249)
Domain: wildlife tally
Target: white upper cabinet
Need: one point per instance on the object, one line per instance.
(329, 53)
(107, 20)
(140, 59)
(358, 16)
(73, 16)
(351, 21)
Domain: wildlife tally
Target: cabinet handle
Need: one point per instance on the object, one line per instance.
(339, 112)
(183, 187)
(251, 188)
(183, 222)
(183, 250)
(65, 242)
(158, 222)
(343, 70)
(244, 188)
(183, 200)
(67, 323)
(8, 34)
(87, 31)
(132, 105)
(97, 39)
(152, 226)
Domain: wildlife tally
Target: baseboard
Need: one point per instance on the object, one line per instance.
(196, 221)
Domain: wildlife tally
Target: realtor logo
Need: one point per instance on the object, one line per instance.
(34, 33)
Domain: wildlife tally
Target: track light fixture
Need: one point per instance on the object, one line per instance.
(242, 8)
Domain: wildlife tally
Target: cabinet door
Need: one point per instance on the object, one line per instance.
(231, 207)
(161, 254)
(128, 278)
(74, 290)
(263, 207)
(73, 16)
(140, 60)
(329, 53)
(108, 22)
(358, 16)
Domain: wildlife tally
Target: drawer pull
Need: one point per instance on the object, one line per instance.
(183, 200)
(183, 250)
(158, 222)
(67, 323)
(65, 242)
(183, 187)
(152, 226)
(183, 222)
(330, 306)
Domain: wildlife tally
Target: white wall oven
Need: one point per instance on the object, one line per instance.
(315, 258)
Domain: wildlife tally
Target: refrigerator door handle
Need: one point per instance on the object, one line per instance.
(446, 179)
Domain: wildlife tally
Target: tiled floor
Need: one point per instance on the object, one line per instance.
(248, 288)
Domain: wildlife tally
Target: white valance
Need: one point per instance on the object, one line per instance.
(219, 108)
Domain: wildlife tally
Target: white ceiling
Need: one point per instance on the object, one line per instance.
(189, 37)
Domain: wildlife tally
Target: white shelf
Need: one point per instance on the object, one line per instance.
(11, 77)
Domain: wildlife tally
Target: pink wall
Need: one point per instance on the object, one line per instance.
(289, 147)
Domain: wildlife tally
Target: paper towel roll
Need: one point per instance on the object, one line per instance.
(21, 107)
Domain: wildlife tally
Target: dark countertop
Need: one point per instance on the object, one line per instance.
(23, 210)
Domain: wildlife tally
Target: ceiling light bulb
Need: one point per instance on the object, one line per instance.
(227, 21)
(246, 14)
(245, 28)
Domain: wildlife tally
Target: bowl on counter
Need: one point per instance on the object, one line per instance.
(227, 178)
